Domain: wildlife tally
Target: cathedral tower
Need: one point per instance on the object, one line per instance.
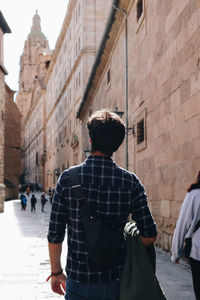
(35, 44)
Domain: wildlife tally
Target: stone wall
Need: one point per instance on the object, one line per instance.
(2, 95)
(163, 92)
(12, 153)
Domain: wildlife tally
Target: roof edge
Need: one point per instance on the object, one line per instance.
(3, 24)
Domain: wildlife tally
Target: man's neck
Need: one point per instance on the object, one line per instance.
(99, 153)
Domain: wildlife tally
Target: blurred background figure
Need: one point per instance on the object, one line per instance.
(28, 190)
(43, 201)
(50, 192)
(23, 201)
(33, 202)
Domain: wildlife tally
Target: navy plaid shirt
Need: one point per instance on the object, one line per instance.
(113, 193)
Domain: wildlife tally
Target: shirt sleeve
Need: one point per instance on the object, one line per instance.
(58, 216)
(141, 213)
(182, 227)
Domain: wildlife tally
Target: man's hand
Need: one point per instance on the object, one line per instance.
(58, 284)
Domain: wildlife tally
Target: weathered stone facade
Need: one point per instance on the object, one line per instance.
(31, 103)
(12, 149)
(163, 92)
(66, 80)
(28, 65)
(3, 29)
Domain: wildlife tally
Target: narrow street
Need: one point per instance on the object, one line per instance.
(24, 262)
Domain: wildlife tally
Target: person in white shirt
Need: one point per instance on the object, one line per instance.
(185, 227)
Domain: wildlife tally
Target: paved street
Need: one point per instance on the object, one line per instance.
(24, 263)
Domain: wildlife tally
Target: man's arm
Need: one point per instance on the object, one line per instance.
(141, 214)
(55, 251)
(147, 241)
(57, 282)
(56, 234)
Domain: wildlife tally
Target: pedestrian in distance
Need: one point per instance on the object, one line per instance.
(28, 190)
(23, 201)
(50, 192)
(113, 193)
(188, 226)
(33, 203)
(43, 201)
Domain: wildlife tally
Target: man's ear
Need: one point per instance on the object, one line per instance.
(90, 141)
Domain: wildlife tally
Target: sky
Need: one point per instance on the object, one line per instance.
(18, 15)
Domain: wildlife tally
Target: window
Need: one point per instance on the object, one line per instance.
(47, 63)
(140, 128)
(79, 9)
(140, 131)
(70, 95)
(108, 76)
(65, 132)
(79, 44)
(139, 9)
(70, 126)
(36, 159)
(79, 78)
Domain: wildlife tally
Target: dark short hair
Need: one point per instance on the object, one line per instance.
(195, 185)
(106, 130)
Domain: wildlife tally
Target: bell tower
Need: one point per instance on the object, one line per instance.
(35, 43)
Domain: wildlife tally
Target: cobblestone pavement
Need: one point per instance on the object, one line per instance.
(24, 261)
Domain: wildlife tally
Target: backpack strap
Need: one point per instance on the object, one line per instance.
(75, 184)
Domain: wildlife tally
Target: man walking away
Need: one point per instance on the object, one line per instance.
(33, 202)
(113, 193)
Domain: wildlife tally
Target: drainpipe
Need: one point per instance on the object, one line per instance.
(125, 79)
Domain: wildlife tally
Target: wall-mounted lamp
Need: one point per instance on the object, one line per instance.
(87, 152)
(129, 131)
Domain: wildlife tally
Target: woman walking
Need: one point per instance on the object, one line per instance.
(188, 226)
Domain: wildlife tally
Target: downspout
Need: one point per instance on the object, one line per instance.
(125, 79)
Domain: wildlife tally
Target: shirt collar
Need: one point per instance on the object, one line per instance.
(100, 159)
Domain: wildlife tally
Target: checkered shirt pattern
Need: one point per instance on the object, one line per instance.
(113, 193)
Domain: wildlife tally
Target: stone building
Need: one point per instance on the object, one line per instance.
(66, 79)
(12, 149)
(34, 64)
(163, 80)
(4, 28)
